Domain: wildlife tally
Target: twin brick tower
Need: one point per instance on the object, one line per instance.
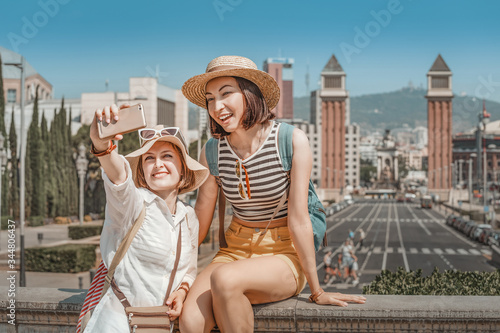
(334, 96)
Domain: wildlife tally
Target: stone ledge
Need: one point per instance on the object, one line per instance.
(57, 310)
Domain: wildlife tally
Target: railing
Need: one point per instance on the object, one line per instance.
(57, 310)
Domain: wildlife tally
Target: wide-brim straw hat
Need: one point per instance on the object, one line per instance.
(200, 172)
(194, 88)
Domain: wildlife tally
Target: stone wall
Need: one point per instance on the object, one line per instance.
(57, 310)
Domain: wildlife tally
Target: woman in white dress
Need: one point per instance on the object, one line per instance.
(152, 176)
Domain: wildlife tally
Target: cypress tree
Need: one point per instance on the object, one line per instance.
(5, 176)
(73, 185)
(35, 164)
(14, 171)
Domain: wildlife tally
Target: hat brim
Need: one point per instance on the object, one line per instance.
(194, 88)
(200, 172)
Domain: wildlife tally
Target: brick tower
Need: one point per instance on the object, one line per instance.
(439, 122)
(333, 96)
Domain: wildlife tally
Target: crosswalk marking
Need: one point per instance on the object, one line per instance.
(413, 250)
(487, 252)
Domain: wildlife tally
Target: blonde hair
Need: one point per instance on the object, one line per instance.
(187, 175)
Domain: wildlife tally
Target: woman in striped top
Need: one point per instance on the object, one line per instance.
(266, 259)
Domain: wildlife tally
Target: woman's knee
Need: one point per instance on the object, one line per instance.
(194, 317)
(224, 282)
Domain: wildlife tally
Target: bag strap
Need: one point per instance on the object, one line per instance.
(122, 249)
(212, 156)
(121, 296)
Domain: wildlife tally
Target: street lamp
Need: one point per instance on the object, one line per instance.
(22, 162)
(3, 162)
(81, 167)
(471, 159)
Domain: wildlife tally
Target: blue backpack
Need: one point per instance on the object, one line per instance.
(316, 210)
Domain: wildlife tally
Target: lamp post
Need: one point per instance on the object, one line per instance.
(471, 159)
(81, 168)
(460, 172)
(3, 162)
(22, 162)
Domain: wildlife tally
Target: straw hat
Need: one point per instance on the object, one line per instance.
(200, 172)
(194, 88)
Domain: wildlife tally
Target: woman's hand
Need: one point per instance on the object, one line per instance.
(339, 299)
(106, 114)
(175, 302)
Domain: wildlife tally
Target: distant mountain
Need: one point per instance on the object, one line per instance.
(405, 106)
(393, 109)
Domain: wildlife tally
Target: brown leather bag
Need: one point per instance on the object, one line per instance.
(149, 319)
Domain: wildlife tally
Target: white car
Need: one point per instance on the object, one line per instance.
(479, 229)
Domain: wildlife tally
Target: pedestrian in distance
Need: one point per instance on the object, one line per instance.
(327, 261)
(351, 235)
(349, 262)
(145, 185)
(265, 260)
(362, 236)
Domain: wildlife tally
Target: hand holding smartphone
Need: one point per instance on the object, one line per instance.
(131, 119)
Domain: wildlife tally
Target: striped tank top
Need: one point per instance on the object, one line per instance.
(268, 181)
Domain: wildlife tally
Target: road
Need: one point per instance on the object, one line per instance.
(399, 235)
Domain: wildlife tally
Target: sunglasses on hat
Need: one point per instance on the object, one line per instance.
(147, 134)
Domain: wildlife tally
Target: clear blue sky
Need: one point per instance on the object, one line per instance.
(79, 44)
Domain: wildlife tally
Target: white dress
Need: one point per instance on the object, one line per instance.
(144, 272)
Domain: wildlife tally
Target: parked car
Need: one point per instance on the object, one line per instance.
(494, 239)
(479, 230)
(485, 235)
(450, 219)
(467, 227)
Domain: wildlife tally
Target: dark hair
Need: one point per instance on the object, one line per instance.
(257, 111)
(187, 179)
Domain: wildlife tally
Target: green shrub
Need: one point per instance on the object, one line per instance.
(83, 231)
(5, 222)
(36, 221)
(71, 258)
(448, 283)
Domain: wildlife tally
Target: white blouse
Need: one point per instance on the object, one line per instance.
(144, 272)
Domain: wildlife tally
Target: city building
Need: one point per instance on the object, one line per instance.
(466, 144)
(311, 130)
(12, 80)
(281, 69)
(439, 122)
(352, 153)
(162, 104)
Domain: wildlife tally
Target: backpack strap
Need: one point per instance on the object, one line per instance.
(212, 156)
(285, 145)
